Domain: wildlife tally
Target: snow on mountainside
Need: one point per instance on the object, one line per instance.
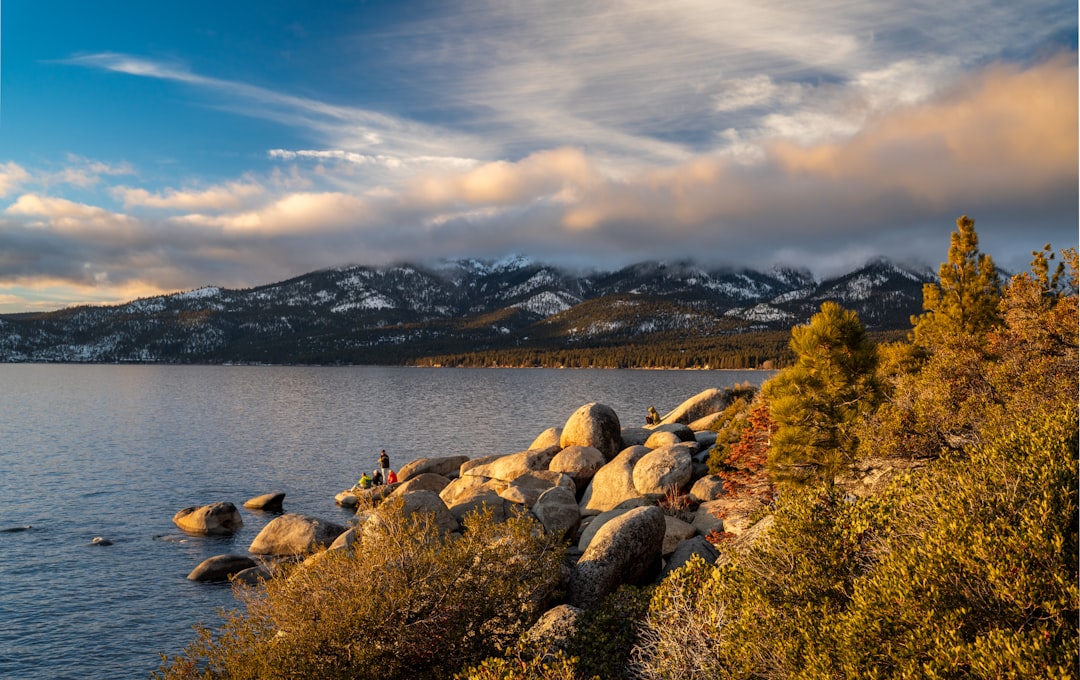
(547, 303)
(390, 314)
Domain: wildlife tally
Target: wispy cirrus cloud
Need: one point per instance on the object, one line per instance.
(348, 127)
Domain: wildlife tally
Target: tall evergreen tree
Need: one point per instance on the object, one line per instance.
(964, 302)
(816, 402)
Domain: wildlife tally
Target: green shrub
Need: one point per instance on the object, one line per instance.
(685, 619)
(522, 667)
(599, 649)
(980, 575)
(408, 602)
(968, 569)
(605, 636)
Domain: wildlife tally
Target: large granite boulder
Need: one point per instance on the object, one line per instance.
(675, 532)
(594, 425)
(364, 498)
(557, 510)
(695, 545)
(220, 568)
(345, 541)
(270, 502)
(707, 488)
(735, 514)
(553, 631)
(709, 518)
(635, 436)
(215, 519)
(698, 406)
(429, 481)
(347, 499)
(595, 523)
(460, 489)
(706, 439)
(526, 489)
(252, 575)
(662, 439)
(510, 467)
(295, 534)
(663, 471)
(447, 466)
(705, 423)
(625, 550)
(613, 483)
(500, 508)
(580, 462)
(479, 461)
(684, 433)
(548, 438)
(425, 501)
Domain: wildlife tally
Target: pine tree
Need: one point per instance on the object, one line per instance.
(816, 402)
(964, 302)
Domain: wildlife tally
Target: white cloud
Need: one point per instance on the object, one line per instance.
(229, 196)
(295, 213)
(756, 91)
(12, 177)
(67, 216)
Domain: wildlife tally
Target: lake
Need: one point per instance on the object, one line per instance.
(116, 451)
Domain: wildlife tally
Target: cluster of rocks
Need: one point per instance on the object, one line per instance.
(633, 502)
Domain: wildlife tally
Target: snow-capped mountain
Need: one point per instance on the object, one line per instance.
(399, 313)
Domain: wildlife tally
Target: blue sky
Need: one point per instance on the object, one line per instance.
(156, 147)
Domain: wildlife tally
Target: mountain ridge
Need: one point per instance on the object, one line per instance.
(407, 313)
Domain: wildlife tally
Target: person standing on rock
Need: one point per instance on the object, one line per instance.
(384, 463)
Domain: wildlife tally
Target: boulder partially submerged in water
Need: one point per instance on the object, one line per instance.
(270, 502)
(221, 567)
(295, 534)
(215, 519)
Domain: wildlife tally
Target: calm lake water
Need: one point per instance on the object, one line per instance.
(115, 451)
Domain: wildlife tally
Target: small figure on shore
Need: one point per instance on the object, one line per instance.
(653, 418)
(365, 481)
(384, 463)
(391, 477)
(376, 477)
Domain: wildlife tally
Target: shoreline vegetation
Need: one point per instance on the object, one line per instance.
(905, 508)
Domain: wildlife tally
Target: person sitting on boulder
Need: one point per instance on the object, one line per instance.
(653, 418)
(365, 481)
(391, 477)
(376, 478)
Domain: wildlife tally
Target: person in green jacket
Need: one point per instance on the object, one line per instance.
(365, 481)
(653, 418)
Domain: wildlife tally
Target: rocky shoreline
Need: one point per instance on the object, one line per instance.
(634, 503)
